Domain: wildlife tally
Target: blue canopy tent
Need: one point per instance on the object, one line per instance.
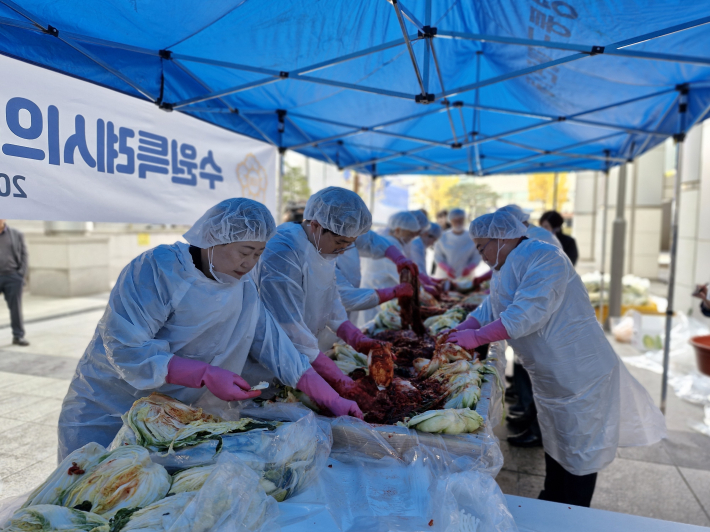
(393, 87)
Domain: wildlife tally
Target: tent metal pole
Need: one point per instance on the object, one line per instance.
(280, 186)
(395, 4)
(618, 244)
(554, 191)
(679, 139)
(594, 215)
(427, 47)
(632, 220)
(603, 261)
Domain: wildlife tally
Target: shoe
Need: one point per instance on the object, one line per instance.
(525, 439)
(20, 341)
(518, 422)
(516, 410)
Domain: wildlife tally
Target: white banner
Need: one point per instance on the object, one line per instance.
(74, 151)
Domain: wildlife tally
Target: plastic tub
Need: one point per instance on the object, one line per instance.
(702, 352)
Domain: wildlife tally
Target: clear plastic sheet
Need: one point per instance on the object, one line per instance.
(230, 499)
(290, 457)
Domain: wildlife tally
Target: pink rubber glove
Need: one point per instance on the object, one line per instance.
(388, 294)
(433, 290)
(402, 262)
(351, 335)
(471, 338)
(485, 277)
(448, 270)
(222, 383)
(425, 279)
(317, 389)
(332, 374)
(468, 269)
(469, 323)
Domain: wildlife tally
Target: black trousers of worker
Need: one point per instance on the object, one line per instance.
(523, 386)
(11, 286)
(564, 487)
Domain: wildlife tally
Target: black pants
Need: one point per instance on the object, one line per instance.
(566, 488)
(523, 387)
(11, 287)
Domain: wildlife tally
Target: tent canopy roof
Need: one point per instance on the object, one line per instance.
(400, 86)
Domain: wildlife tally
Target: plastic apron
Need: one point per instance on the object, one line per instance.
(297, 285)
(163, 305)
(458, 251)
(588, 403)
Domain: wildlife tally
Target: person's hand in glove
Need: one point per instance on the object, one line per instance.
(222, 383)
(433, 290)
(332, 374)
(402, 262)
(448, 270)
(468, 323)
(401, 290)
(468, 269)
(315, 387)
(472, 338)
(351, 335)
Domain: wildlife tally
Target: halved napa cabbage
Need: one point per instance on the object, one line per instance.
(68, 473)
(124, 478)
(47, 517)
(449, 421)
(162, 423)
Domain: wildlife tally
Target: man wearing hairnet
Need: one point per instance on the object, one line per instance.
(296, 279)
(402, 228)
(181, 320)
(588, 403)
(454, 253)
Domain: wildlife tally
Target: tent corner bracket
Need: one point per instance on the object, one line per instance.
(51, 30)
(424, 98)
(165, 54)
(427, 32)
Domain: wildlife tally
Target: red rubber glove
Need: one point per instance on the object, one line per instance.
(353, 336)
(222, 383)
(402, 262)
(425, 279)
(317, 389)
(388, 294)
(448, 270)
(468, 269)
(472, 338)
(469, 323)
(433, 290)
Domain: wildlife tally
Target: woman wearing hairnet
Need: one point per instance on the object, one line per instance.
(402, 228)
(181, 320)
(417, 251)
(296, 279)
(588, 403)
(454, 253)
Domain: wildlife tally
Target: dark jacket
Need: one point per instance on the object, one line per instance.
(569, 246)
(19, 249)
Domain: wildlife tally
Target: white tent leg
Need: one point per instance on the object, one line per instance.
(603, 263)
(672, 272)
(618, 244)
(280, 188)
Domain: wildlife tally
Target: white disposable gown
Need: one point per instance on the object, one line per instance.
(588, 403)
(161, 306)
(417, 254)
(535, 232)
(298, 287)
(379, 273)
(458, 251)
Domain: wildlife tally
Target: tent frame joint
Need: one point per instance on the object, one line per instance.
(51, 30)
(165, 54)
(283, 74)
(427, 32)
(165, 106)
(424, 98)
(597, 50)
(457, 146)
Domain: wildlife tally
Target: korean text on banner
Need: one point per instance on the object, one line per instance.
(74, 151)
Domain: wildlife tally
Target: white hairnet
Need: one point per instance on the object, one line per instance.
(421, 219)
(434, 230)
(499, 224)
(339, 210)
(232, 220)
(403, 220)
(516, 211)
(456, 213)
